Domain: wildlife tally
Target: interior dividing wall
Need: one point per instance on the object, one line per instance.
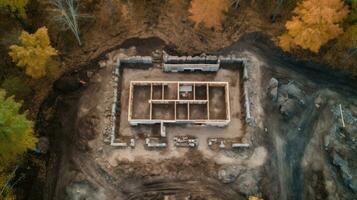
(178, 101)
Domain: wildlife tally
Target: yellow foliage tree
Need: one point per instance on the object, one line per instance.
(15, 6)
(16, 137)
(315, 23)
(209, 12)
(33, 53)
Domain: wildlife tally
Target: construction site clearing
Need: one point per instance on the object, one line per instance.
(179, 104)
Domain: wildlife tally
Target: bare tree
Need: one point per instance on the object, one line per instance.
(67, 16)
(235, 3)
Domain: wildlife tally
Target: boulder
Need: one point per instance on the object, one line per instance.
(318, 101)
(274, 93)
(292, 91)
(228, 174)
(248, 182)
(273, 83)
(84, 190)
(288, 108)
(273, 86)
(344, 169)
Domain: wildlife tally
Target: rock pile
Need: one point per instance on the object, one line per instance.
(289, 97)
(341, 143)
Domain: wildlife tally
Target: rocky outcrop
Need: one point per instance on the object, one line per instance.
(288, 97)
(246, 180)
(341, 144)
(84, 190)
(228, 174)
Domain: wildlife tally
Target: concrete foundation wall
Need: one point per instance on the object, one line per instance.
(178, 64)
(147, 108)
(197, 63)
(190, 67)
(146, 60)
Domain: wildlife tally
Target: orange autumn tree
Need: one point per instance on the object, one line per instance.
(208, 12)
(315, 23)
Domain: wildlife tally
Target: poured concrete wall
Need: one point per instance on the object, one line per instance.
(197, 63)
(190, 67)
(208, 103)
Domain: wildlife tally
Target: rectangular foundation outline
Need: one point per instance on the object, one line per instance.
(206, 121)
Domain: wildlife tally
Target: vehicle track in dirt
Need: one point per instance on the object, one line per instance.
(186, 188)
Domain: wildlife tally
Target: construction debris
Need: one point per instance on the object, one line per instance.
(152, 142)
(225, 143)
(124, 142)
(185, 141)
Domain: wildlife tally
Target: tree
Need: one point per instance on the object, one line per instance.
(16, 137)
(16, 131)
(17, 7)
(347, 43)
(34, 52)
(16, 86)
(66, 15)
(209, 12)
(352, 17)
(315, 23)
(279, 4)
(235, 3)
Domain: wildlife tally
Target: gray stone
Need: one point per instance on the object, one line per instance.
(107, 140)
(228, 174)
(292, 91)
(273, 86)
(273, 83)
(288, 108)
(318, 101)
(353, 109)
(274, 93)
(84, 190)
(346, 174)
(89, 74)
(248, 182)
(42, 145)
